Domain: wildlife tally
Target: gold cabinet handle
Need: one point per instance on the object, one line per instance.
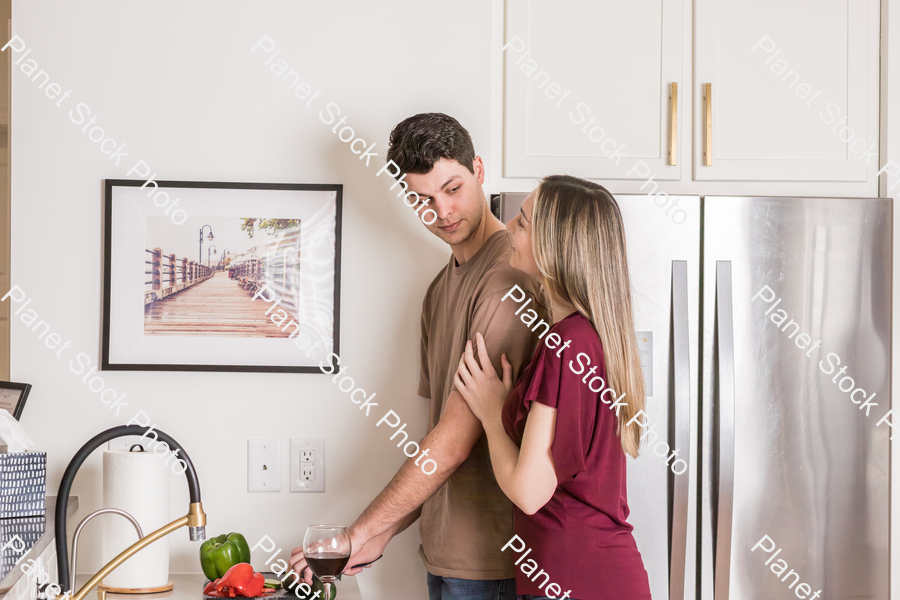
(673, 124)
(707, 148)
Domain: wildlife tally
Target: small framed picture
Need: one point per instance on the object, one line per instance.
(205, 276)
(13, 396)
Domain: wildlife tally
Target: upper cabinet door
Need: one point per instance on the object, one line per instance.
(587, 87)
(794, 91)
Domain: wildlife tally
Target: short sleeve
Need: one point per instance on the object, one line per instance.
(503, 332)
(424, 378)
(555, 385)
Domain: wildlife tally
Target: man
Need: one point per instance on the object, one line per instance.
(465, 517)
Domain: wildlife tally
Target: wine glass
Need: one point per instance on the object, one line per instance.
(327, 552)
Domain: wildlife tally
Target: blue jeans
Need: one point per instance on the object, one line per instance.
(450, 588)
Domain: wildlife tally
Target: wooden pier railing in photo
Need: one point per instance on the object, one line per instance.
(170, 275)
(187, 298)
(277, 266)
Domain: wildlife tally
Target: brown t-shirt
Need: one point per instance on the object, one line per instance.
(468, 519)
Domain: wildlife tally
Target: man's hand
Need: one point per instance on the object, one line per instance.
(297, 564)
(363, 551)
(366, 551)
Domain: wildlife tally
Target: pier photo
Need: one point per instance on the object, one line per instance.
(214, 294)
(248, 278)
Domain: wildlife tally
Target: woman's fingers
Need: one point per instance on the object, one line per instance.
(461, 386)
(487, 367)
(463, 370)
(471, 363)
(507, 371)
(482, 352)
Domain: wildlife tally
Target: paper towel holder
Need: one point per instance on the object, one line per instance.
(102, 588)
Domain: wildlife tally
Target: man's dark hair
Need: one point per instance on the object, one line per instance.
(421, 140)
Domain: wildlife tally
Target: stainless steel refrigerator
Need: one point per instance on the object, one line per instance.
(764, 331)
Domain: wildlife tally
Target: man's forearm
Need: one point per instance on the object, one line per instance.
(449, 443)
(406, 521)
(405, 493)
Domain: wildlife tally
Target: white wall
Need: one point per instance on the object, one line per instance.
(177, 82)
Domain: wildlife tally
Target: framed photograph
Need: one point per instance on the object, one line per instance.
(13, 396)
(202, 276)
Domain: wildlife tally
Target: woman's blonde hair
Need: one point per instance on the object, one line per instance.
(579, 246)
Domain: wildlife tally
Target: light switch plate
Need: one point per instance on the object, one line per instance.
(263, 465)
(307, 464)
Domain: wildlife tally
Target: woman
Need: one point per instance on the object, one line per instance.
(558, 439)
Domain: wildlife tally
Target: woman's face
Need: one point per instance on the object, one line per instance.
(520, 226)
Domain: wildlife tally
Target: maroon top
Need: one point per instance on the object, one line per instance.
(581, 536)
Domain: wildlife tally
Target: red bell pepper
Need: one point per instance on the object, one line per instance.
(240, 580)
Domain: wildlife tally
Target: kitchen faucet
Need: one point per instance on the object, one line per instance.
(195, 519)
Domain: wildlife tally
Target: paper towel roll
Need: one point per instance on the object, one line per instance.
(138, 483)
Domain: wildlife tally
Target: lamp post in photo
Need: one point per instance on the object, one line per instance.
(211, 249)
(211, 237)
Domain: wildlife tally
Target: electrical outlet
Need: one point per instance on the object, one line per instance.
(263, 465)
(307, 464)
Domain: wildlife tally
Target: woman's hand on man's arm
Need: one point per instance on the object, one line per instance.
(527, 476)
(482, 389)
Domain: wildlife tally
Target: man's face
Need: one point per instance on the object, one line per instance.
(455, 195)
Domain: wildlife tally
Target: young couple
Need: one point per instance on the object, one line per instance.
(543, 459)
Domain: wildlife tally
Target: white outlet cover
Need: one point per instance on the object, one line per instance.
(263, 465)
(298, 445)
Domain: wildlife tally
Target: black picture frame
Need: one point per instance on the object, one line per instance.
(111, 362)
(23, 389)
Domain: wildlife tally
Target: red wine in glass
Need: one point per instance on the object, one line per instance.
(327, 564)
(327, 552)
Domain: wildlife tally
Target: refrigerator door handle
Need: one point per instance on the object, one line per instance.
(682, 398)
(724, 392)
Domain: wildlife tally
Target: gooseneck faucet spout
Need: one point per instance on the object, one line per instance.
(195, 520)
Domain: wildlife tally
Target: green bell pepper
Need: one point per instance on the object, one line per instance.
(220, 553)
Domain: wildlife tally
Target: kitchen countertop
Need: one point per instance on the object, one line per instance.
(189, 587)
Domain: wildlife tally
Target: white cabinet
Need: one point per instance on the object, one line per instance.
(794, 90)
(794, 94)
(612, 64)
